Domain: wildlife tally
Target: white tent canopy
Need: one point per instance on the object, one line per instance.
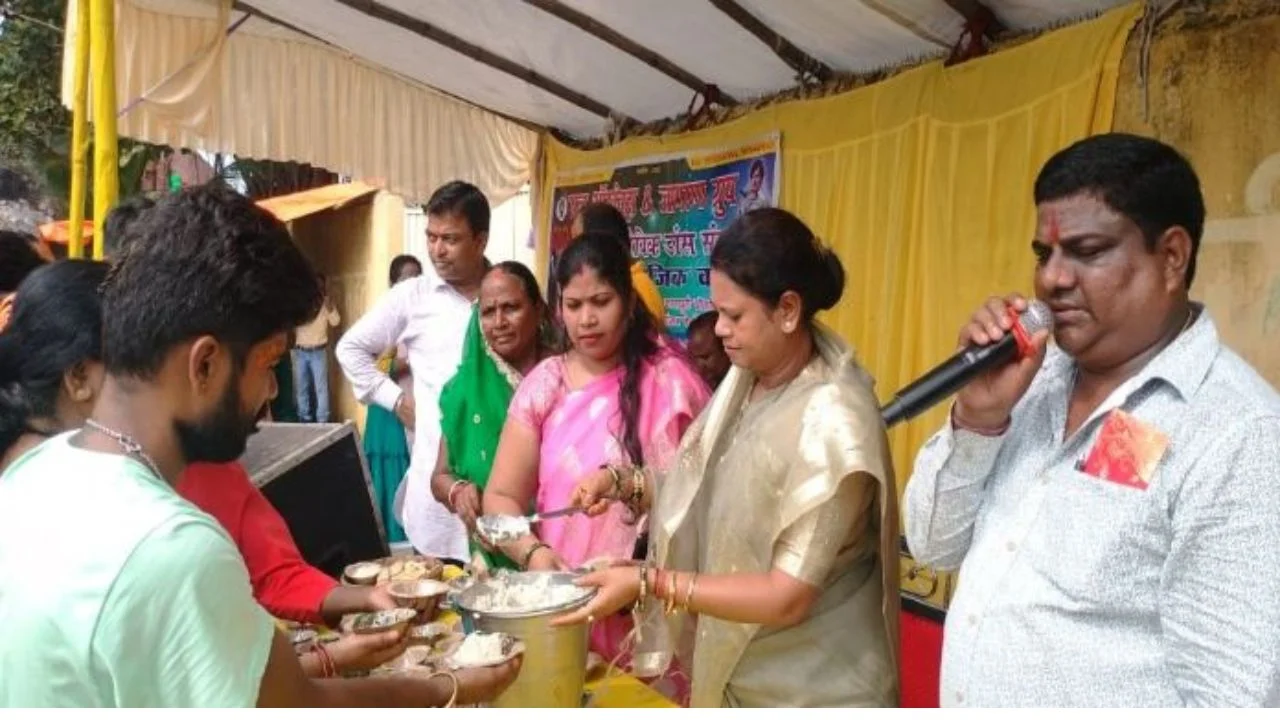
(693, 35)
(397, 90)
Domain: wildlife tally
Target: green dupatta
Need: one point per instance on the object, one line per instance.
(473, 409)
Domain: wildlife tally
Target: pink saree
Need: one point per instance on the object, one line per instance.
(581, 429)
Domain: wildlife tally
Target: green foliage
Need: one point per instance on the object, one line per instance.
(35, 129)
(31, 114)
(54, 168)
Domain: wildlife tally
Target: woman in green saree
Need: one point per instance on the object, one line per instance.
(386, 445)
(772, 573)
(508, 335)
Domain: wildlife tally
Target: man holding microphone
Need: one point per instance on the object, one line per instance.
(1112, 501)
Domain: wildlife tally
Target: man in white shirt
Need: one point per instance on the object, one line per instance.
(429, 315)
(1111, 501)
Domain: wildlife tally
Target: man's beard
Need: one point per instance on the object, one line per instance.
(222, 436)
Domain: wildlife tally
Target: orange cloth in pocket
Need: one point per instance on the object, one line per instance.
(1127, 451)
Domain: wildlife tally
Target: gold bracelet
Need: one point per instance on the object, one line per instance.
(644, 587)
(453, 696)
(617, 481)
(688, 593)
(637, 489)
(670, 606)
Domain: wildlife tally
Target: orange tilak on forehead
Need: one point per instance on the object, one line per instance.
(1051, 231)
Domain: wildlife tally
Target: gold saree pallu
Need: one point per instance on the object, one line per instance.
(748, 476)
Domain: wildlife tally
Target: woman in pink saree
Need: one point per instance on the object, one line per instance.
(618, 397)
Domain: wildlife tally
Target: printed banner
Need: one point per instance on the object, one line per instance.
(676, 207)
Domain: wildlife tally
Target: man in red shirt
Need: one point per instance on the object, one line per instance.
(283, 582)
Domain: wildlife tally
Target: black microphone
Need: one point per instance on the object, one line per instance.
(944, 380)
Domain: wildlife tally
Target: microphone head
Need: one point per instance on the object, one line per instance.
(1036, 317)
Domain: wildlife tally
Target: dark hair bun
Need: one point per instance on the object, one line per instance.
(769, 252)
(828, 283)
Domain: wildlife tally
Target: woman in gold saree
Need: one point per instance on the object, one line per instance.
(772, 570)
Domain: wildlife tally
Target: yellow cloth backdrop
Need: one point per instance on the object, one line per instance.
(922, 184)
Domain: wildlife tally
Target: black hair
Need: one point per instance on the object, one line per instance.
(757, 166)
(118, 221)
(18, 259)
(399, 263)
(522, 273)
(56, 324)
(705, 321)
(604, 218)
(203, 261)
(769, 251)
(1141, 178)
(602, 253)
(461, 198)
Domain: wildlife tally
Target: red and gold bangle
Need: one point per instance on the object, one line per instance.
(328, 668)
(333, 664)
(324, 666)
(664, 589)
(688, 593)
(670, 606)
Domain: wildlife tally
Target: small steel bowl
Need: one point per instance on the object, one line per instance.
(421, 595)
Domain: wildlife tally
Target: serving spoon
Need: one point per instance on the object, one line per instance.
(499, 529)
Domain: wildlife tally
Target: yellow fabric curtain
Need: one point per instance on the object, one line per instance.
(922, 185)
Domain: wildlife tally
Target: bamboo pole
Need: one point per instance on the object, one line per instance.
(79, 130)
(106, 159)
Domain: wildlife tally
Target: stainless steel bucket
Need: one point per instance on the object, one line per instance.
(554, 669)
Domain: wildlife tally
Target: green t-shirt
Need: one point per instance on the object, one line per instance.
(135, 599)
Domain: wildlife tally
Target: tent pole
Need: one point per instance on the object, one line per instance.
(106, 159)
(79, 130)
